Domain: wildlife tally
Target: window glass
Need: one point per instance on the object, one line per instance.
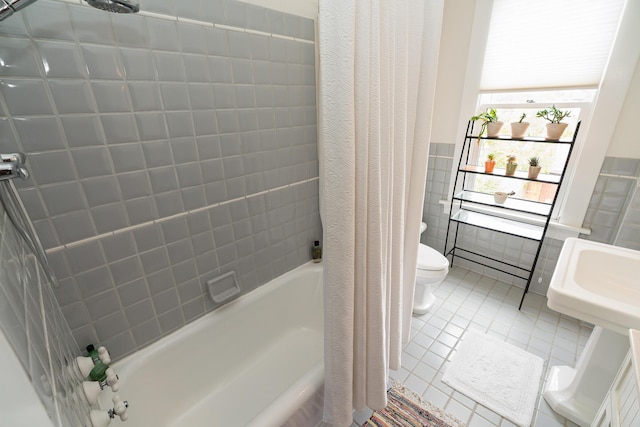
(510, 106)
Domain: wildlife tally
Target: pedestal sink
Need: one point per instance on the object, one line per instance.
(599, 284)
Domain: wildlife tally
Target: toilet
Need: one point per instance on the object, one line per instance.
(432, 269)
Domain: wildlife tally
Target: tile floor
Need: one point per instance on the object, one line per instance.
(469, 301)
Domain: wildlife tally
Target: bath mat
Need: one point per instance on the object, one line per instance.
(497, 375)
(407, 409)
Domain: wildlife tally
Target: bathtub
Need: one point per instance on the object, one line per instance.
(257, 361)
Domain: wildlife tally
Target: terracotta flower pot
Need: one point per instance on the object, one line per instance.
(519, 129)
(555, 130)
(534, 171)
(493, 128)
(489, 165)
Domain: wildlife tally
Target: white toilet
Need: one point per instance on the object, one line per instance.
(432, 269)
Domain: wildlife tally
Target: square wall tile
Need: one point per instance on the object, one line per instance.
(19, 58)
(39, 133)
(83, 131)
(92, 162)
(130, 30)
(49, 20)
(25, 97)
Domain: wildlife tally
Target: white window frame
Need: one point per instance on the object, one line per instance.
(595, 135)
(585, 115)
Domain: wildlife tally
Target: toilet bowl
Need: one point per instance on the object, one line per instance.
(432, 269)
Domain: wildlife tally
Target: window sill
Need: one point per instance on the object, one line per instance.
(556, 229)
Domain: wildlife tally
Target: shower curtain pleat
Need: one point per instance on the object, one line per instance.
(377, 73)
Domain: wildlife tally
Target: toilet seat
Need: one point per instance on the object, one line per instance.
(431, 260)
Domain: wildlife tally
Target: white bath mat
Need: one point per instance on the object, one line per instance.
(497, 375)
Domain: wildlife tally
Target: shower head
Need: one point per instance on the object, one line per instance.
(117, 6)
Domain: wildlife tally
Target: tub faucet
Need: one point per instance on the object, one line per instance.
(12, 166)
(92, 389)
(103, 418)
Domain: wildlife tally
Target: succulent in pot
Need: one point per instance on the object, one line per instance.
(490, 163)
(519, 128)
(511, 165)
(490, 122)
(534, 167)
(555, 127)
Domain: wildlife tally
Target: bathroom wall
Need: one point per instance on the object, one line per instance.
(32, 322)
(613, 217)
(166, 148)
(624, 142)
(613, 214)
(306, 8)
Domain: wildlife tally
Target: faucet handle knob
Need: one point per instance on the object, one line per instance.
(112, 380)
(120, 407)
(85, 365)
(103, 418)
(23, 173)
(104, 355)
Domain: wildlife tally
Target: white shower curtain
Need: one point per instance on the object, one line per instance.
(378, 62)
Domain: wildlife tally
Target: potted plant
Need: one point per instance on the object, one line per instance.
(490, 122)
(511, 165)
(500, 196)
(490, 163)
(519, 128)
(534, 167)
(555, 127)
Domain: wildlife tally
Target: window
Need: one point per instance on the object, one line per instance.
(531, 61)
(510, 107)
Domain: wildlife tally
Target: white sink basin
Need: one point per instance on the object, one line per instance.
(597, 283)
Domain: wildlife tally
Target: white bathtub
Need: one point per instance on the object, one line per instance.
(257, 361)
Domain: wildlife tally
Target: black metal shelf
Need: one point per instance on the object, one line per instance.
(494, 260)
(513, 204)
(500, 173)
(526, 139)
(499, 224)
(478, 209)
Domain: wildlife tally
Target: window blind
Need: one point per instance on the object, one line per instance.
(549, 43)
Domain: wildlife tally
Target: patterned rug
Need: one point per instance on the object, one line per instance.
(407, 409)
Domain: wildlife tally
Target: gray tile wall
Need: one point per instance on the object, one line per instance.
(614, 210)
(32, 321)
(629, 232)
(163, 153)
(613, 217)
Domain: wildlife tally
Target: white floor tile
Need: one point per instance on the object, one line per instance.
(436, 397)
(469, 301)
(478, 421)
(425, 372)
(416, 384)
(458, 410)
(489, 415)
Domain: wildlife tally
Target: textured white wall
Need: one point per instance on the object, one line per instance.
(625, 141)
(452, 65)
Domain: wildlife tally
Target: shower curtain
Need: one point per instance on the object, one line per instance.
(378, 62)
